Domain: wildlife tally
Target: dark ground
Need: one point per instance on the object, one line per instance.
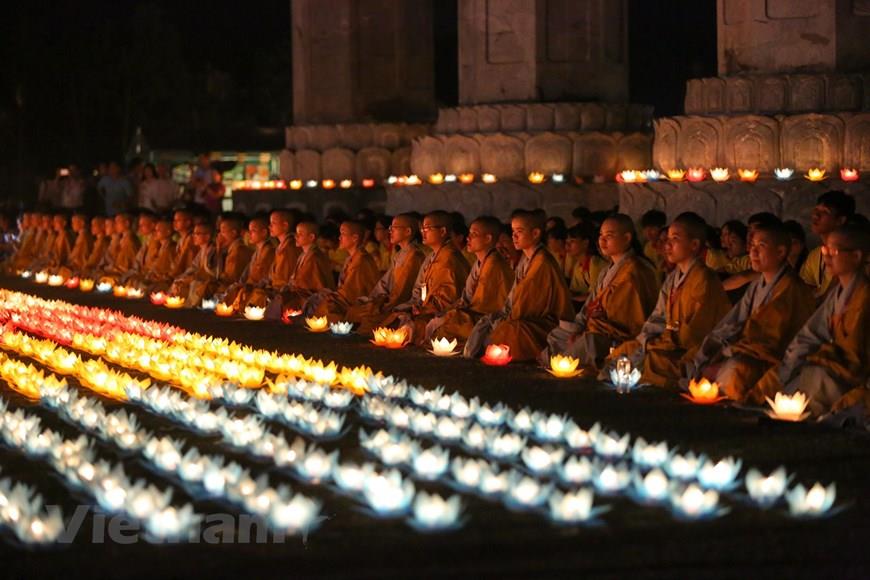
(634, 541)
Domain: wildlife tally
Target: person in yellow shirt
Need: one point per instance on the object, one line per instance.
(833, 209)
(582, 248)
(651, 224)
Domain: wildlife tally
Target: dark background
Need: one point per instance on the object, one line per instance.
(77, 78)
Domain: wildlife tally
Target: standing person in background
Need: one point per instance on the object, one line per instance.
(116, 191)
(157, 192)
(72, 195)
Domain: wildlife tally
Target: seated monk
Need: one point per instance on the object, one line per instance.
(829, 358)
(233, 257)
(157, 260)
(753, 336)
(538, 300)
(121, 258)
(81, 249)
(441, 275)
(99, 246)
(506, 248)
(690, 304)
(313, 272)
(258, 268)
(623, 298)
(396, 285)
(282, 227)
(146, 222)
(61, 245)
(202, 270)
(358, 276)
(23, 254)
(43, 244)
(486, 288)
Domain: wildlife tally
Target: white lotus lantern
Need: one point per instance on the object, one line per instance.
(623, 376)
(56, 280)
(524, 421)
(172, 523)
(491, 416)
(462, 408)
(653, 486)
(783, 173)
(104, 287)
(316, 465)
(341, 328)
(255, 312)
(387, 493)
(550, 428)
(475, 437)
(467, 472)
(611, 478)
(580, 439)
(448, 429)
(649, 454)
(719, 475)
(692, 502)
(432, 512)
(576, 470)
(542, 460)
(527, 491)
(765, 490)
(299, 513)
(143, 502)
(788, 407)
(444, 347)
(493, 481)
(350, 477)
(685, 467)
(610, 444)
(505, 445)
(42, 278)
(813, 502)
(572, 507)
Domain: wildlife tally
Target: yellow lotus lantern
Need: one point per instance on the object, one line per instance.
(295, 184)
(250, 377)
(224, 309)
(119, 291)
(488, 178)
(720, 174)
(436, 179)
(536, 177)
(676, 175)
(56, 280)
(816, 174)
(86, 285)
(389, 338)
(254, 312)
(748, 175)
(564, 367)
(703, 392)
(444, 347)
(174, 302)
(317, 323)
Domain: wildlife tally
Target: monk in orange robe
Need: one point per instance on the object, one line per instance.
(157, 261)
(438, 282)
(44, 243)
(754, 335)
(538, 300)
(121, 258)
(202, 270)
(358, 276)
(829, 359)
(690, 304)
(623, 298)
(486, 288)
(27, 239)
(233, 255)
(61, 245)
(282, 228)
(148, 249)
(258, 268)
(396, 285)
(81, 248)
(313, 272)
(186, 249)
(99, 246)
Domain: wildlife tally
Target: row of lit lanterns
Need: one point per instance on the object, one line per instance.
(723, 174)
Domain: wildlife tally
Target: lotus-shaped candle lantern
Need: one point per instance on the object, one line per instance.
(610, 444)
(765, 490)
(685, 467)
(119, 291)
(174, 302)
(653, 486)
(576, 470)
(296, 184)
(171, 522)
(649, 454)
(41, 277)
(563, 366)
(26, 274)
(316, 465)
(488, 178)
(748, 175)
(433, 512)
(86, 285)
(652, 175)
(299, 513)
(346, 183)
(466, 178)
(696, 174)
(524, 421)
(580, 439)
(549, 427)
(536, 177)
(703, 392)
(430, 463)
(104, 287)
(341, 328)
(493, 482)
(467, 472)
(444, 347)
(692, 502)
(611, 478)
(788, 407)
(505, 446)
(719, 475)
(448, 429)
(573, 507)
(492, 416)
(389, 338)
(676, 175)
(387, 493)
(630, 176)
(526, 491)
(623, 376)
(542, 460)
(816, 174)
(351, 477)
(475, 437)
(558, 178)
(55, 280)
(497, 355)
(813, 502)
(849, 174)
(254, 312)
(135, 293)
(436, 178)
(157, 298)
(208, 304)
(413, 179)
(783, 173)
(720, 174)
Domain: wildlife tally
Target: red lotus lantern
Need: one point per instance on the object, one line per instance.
(158, 298)
(72, 283)
(497, 355)
(368, 182)
(847, 174)
(288, 315)
(696, 174)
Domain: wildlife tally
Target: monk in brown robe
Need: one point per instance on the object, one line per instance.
(486, 288)
(61, 245)
(23, 255)
(99, 246)
(282, 228)
(146, 223)
(754, 335)
(157, 261)
(358, 276)
(202, 270)
(121, 257)
(43, 244)
(81, 249)
(258, 268)
(233, 256)
(185, 248)
(829, 359)
(623, 298)
(538, 300)
(690, 304)
(396, 285)
(313, 271)
(438, 282)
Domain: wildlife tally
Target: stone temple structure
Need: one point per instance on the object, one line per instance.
(543, 88)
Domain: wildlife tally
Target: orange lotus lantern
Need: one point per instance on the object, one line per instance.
(86, 285)
(119, 291)
(696, 174)
(174, 302)
(224, 309)
(816, 174)
(748, 175)
(536, 177)
(466, 178)
(488, 178)
(317, 323)
(436, 178)
(72, 283)
(564, 367)
(676, 175)
(368, 182)
(296, 184)
(720, 174)
(703, 392)
(389, 338)
(497, 355)
(849, 174)
(289, 314)
(328, 184)
(157, 298)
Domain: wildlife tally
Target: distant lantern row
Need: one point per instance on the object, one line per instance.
(693, 174)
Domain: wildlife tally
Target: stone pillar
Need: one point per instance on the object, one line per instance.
(362, 59)
(542, 50)
(785, 36)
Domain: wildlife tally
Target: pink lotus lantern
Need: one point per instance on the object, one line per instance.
(158, 298)
(696, 174)
(497, 355)
(848, 174)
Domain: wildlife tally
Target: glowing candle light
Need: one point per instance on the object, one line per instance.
(311, 183)
(55, 280)
(558, 178)
(436, 179)
(788, 407)
(328, 184)
(536, 177)
(720, 174)
(651, 487)
(413, 180)
(174, 302)
(41, 277)
(254, 312)
(433, 512)
(466, 178)
(765, 490)
(346, 184)
(157, 298)
(387, 493)
(295, 184)
(135, 293)
(696, 174)
(849, 174)
(119, 291)
(572, 507)
(26, 274)
(368, 183)
(564, 367)
(783, 173)
(813, 502)
(692, 502)
(488, 178)
(317, 324)
(289, 314)
(748, 175)
(497, 355)
(72, 283)
(676, 175)
(703, 392)
(623, 376)
(816, 174)
(444, 347)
